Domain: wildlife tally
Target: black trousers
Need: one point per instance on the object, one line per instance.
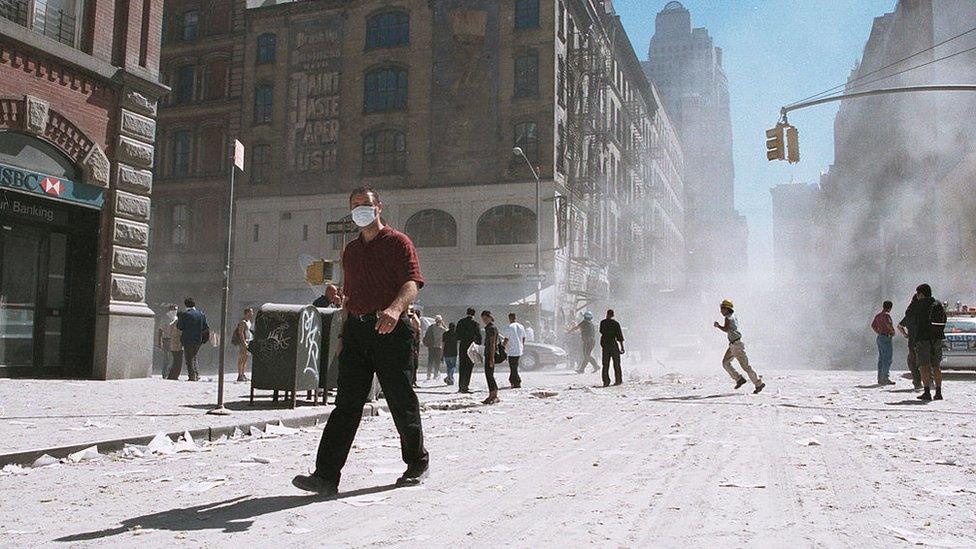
(611, 353)
(365, 352)
(190, 351)
(465, 366)
(513, 375)
(490, 377)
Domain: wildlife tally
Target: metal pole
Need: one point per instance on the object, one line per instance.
(538, 254)
(220, 410)
(882, 91)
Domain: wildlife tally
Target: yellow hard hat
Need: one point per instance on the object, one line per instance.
(727, 304)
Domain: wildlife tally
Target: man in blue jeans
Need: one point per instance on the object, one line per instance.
(885, 329)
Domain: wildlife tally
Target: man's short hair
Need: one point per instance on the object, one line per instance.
(470, 311)
(248, 309)
(887, 305)
(189, 302)
(925, 289)
(511, 315)
(365, 189)
(609, 313)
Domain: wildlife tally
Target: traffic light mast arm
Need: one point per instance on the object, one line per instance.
(882, 91)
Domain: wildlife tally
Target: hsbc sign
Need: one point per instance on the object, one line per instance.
(26, 181)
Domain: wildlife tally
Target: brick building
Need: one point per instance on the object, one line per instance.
(425, 102)
(78, 92)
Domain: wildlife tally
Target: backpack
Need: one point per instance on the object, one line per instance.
(937, 315)
(429, 337)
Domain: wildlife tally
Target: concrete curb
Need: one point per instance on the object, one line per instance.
(28, 457)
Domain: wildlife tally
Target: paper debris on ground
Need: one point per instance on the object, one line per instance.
(279, 429)
(115, 474)
(256, 432)
(161, 444)
(497, 469)
(738, 485)
(97, 425)
(925, 439)
(258, 459)
(920, 539)
(816, 420)
(237, 433)
(87, 454)
(365, 500)
(13, 469)
(45, 461)
(544, 393)
(198, 487)
(808, 442)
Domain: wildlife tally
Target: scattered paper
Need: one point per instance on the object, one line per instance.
(115, 474)
(497, 469)
(45, 461)
(925, 439)
(237, 433)
(87, 454)
(919, 539)
(736, 485)
(367, 499)
(197, 487)
(279, 430)
(97, 425)
(256, 432)
(258, 459)
(161, 444)
(817, 420)
(544, 394)
(13, 469)
(808, 442)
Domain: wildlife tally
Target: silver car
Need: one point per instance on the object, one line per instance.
(959, 349)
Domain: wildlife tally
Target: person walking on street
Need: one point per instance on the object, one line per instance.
(612, 344)
(588, 334)
(434, 341)
(175, 349)
(414, 320)
(514, 347)
(468, 332)
(164, 339)
(930, 318)
(194, 332)
(909, 330)
(491, 347)
(882, 326)
(450, 345)
(736, 350)
(382, 279)
(243, 334)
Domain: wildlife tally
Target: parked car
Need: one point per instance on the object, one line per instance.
(542, 356)
(959, 349)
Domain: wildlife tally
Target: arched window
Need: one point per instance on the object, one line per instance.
(387, 30)
(385, 90)
(384, 153)
(267, 44)
(507, 224)
(20, 149)
(432, 229)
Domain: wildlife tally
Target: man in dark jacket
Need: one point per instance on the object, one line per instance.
(908, 330)
(468, 332)
(612, 343)
(929, 317)
(194, 333)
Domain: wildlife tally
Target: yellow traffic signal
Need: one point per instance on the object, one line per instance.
(319, 272)
(792, 145)
(775, 149)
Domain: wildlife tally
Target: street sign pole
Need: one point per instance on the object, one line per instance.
(236, 160)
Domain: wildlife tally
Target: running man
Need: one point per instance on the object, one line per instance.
(736, 350)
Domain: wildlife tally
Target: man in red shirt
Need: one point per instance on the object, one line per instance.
(381, 279)
(883, 326)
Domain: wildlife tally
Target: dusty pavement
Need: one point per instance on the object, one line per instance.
(820, 459)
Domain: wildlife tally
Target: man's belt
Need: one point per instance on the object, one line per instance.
(371, 317)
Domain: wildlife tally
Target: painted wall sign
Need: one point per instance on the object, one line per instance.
(48, 186)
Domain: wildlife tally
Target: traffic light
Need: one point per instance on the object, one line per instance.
(320, 271)
(792, 145)
(775, 149)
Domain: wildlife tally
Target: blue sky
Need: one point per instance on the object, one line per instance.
(775, 52)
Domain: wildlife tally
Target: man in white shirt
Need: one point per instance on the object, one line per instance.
(514, 347)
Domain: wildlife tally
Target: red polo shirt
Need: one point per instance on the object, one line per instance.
(375, 271)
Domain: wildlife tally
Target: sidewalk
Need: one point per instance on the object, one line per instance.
(40, 415)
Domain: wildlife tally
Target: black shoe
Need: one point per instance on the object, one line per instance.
(516, 386)
(917, 387)
(413, 476)
(889, 382)
(759, 388)
(740, 383)
(313, 483)
(607, 384)
(926, 396)
(938, 394)
(618, 382)
(465, 391)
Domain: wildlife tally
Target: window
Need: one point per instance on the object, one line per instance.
(561, 149)
(267, 43)
(57, 19)
(212, 143)
(191, 25)
(304, 233)
(526, 14)
(527, 138)
(256, 232)
(179, 218)
(387, 30)
(263, 103)
(260, 164)
(432, 229)
(385, 90)
(508, 224)
(185, 77)
(384, 153)
(181, 153)
(561, 82)
(526, 75)
(218, 19)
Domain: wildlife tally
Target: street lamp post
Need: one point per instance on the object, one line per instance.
(517, 151)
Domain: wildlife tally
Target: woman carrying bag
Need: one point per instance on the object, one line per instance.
(491, 356)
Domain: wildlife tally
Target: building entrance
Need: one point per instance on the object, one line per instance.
(48, 253)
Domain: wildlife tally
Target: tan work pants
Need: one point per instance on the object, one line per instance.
(737, 350)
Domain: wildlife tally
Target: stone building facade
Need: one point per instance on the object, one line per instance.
(425, 102)
(78, 97)
(687, 67)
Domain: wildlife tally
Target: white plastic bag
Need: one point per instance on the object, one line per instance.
(476, 353)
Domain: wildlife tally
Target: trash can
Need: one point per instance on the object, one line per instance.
(286, 349)
(329, 366)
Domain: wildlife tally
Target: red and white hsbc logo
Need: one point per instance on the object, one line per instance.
(52, 186)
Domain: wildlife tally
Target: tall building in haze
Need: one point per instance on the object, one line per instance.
(687, 68)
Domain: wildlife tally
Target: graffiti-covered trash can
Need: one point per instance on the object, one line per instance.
(286, 349)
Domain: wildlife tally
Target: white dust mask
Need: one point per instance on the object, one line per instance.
(363, 216)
